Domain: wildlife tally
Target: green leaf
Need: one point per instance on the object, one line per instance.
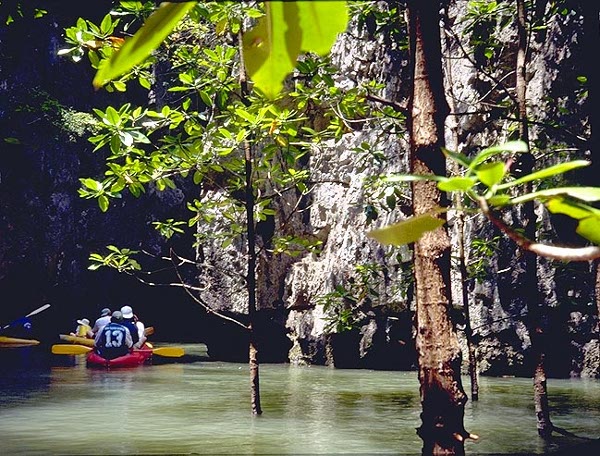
(491, 173)
(546, 172)
(407, 231)
(271, 49)
(103, 203)
(269, 53)
(92, 184)
(320, 24)
(589, 228)
(588, 194)
(573, 209)
(106, 24)
(499, 200)
(511, 146)
(455, 184)
(135, 50)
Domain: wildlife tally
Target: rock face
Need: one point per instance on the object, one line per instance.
(498, 303)
(47, 232)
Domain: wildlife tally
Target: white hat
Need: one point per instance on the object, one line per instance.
(83, 321)
(127, 312)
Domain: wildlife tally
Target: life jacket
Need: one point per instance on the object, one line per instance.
(133, 329)
(111, 342)
(82, 330)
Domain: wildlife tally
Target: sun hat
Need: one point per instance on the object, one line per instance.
(105, 312)
(127, 312)
(116, 316)
(83, 321)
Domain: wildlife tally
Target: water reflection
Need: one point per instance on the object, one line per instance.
(55, 405)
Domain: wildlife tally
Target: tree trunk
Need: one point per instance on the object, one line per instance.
(459, 221)
(535, 305)
(251, 285)
(465, 297)
(251, 271)
(442, 395)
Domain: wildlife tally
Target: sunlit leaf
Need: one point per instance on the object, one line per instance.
(546, 172)
(588, 194)
(498, 200)
(272, 47)
(454, 184)
(589, 228)
(92, 184)
(103, 203)
(491, 173)
(135, 50)
(270, 55)
(511, 146)
(407, 231)
(573, 209)
(320, 24)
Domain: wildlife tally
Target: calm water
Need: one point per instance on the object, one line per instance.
(55, 405)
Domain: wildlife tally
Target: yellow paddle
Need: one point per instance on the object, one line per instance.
(72, 349)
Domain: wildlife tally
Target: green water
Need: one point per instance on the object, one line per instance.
(203, 407)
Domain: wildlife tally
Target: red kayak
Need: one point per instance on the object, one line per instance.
(134, 358)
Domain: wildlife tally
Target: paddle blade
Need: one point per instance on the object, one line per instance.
(77, 340)
(38, 310)
(16, 342)
(69, 349)
(149, 331)
(171, 352)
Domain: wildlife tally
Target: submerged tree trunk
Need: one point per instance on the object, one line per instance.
(535, 304)
(472, 348)
(442, 396)
(459, 221)
(251, 270)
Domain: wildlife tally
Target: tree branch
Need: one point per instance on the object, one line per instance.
(553, 252)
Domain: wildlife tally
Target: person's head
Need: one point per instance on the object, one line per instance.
(83, 321)
(127, 312)
(105, 312)
(117, 317)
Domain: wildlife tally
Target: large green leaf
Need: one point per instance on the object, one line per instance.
(588, 194)
(573, 209)
(546, 172)
(407, 231)
(511, 146)
(457, 183)
(271, 48)
(321, 22)
(135, 49)
(491, 173)
(589, 217)
(589, 228)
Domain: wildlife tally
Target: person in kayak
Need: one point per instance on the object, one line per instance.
(115, 339)
(101, 322)
(135, 326)
(83, 328)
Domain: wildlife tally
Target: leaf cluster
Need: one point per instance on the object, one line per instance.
(487, 180)
(203, 131)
